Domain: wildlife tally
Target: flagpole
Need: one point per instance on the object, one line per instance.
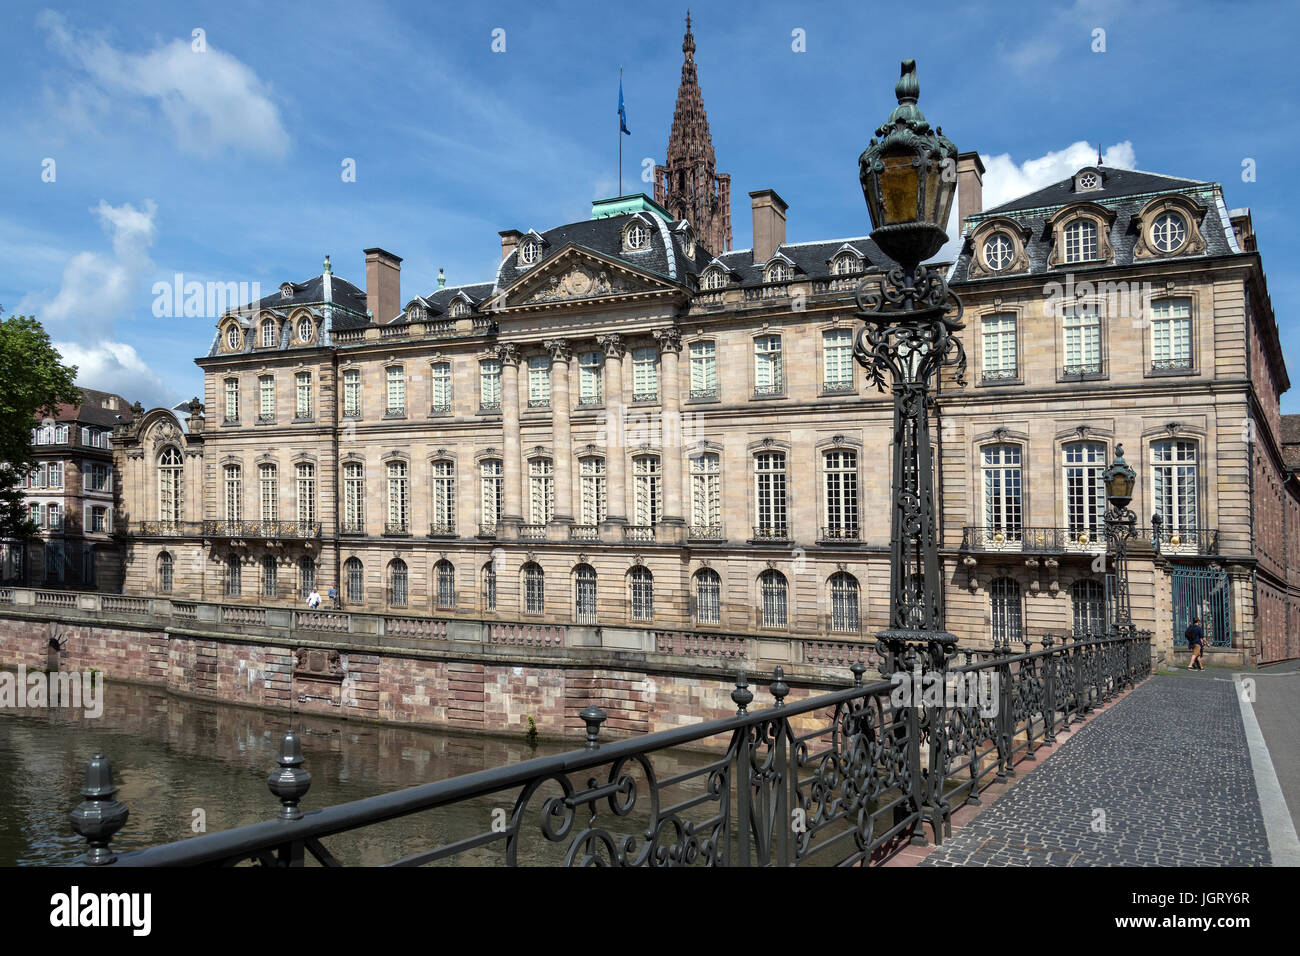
(620, 133)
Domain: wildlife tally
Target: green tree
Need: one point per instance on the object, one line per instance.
(33, 380)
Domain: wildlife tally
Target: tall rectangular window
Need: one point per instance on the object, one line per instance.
(489, 378)
(541, 484)
(592, 481)
(234, 494)
(306, 482)
(232, 399)
(99, 478)
(645, 375)
(1173, 484)
(54, 477)
(492, 490)
(265, 399)
(396, 392)
(539, 382)
(591, 386)
(648, 489)
(444, 497)
(837, 360)
(999, 346)
(1171, 334)
(269, 492)
(1082, 341)
(354, 497)
(399, 500)
(706, 496)
(704, 370)
(352, 393)
(304, 403)
(841, 478)
(1085, 491)
(768, 378)
(1002, 491)
(769, 494)
(440, 388)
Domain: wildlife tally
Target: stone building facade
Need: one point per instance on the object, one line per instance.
(629, 424)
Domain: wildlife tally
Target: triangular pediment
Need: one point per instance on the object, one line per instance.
(576, 274)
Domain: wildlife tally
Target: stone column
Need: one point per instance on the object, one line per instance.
(561, 353)
(511, 454)
(670, 432)
(615, 453)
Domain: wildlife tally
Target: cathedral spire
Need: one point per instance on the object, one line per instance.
(688, 184)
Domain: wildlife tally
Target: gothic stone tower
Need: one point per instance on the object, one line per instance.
(689, 186)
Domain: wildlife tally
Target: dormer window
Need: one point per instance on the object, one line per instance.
(778, 272)
(304, 330)
(999, 250)
(637, 237)
(845, 264)
(1087, 180)
(529, 252)
(415, 313)
(268, 334)
(713, 278)
(1081, 241)
(1169, 231)
(232, 337)
(286, 290)
(459, 308)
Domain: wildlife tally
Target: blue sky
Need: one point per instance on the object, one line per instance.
(225, 165)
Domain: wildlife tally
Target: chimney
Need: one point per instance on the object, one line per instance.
(970, 187)
(1243, 228)
(383, 284)
(769, 223)
(509, 239)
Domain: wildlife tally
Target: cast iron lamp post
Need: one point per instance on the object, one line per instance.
(909, 175)
(1121, 524)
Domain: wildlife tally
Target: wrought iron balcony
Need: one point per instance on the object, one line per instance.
(705, 532)
(539, 403)
(445, 529)
(767, 391)
(532, 532)
(397, 528)
(1183, 540)
(591, 401)
(711, 392)
(1172, 365)
(998, 375)
(639, 532)
(352, 527)
(584, 532)
(1087, 368)
(838, 388)
(645, 396)
(490, 406)
(167, 529)
(771, 533)
(261, 529)
(395, 412)
(487, 529)
(1085, 540)
(266, 419)
(848, 533)
(440, 408)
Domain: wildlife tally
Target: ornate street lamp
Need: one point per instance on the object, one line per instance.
(1121, 524)
(908, 175)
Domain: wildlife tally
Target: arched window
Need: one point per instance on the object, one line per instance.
(773, 592)
(714, 278)
(306, 576)
(488, 578)
(641, 583)
(445, 575)
(458, 309)
(1081, 241)
(354, 581)
(584, 594)
(165, 568)
(169, 485)
(534, 589)
(844, 602)
(234, 576)
(268, 334)
(1089, 603)
(270, 578)
(708, 597)
(397, 583)
(1004, 599)
(778, 272)
(846, 263)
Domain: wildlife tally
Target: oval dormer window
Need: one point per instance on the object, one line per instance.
(304, 330)
(998, 251)
(637, 236)
(1169, 231)
(1089, 181)
(528, 252)
(232, 337)
(286, 291)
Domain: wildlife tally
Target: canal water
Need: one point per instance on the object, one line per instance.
(173, 756)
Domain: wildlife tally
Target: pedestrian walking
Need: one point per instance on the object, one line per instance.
(334, 597)
(1196, 641)
(313, 599)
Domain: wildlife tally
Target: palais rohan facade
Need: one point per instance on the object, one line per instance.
(633, 424)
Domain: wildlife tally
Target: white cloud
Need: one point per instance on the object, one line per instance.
(211, 99)
(97, 288)
(1005, 179)
(116, 367)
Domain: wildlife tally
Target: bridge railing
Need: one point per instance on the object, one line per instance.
(842, 778)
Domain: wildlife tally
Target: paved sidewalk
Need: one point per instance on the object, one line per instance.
(1161, 778)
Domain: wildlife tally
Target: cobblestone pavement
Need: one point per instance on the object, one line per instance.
(1161, 778)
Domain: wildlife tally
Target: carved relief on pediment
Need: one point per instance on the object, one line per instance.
(579, 282)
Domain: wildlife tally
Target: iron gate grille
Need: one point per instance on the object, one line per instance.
(1204, 593)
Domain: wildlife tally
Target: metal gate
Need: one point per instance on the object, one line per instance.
(1204, 593)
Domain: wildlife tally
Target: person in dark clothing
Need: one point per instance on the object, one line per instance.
(1196, 641)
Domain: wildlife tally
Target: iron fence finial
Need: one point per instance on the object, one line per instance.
(742, 696)
(99, 816)
(290, 783)
(779, 687)
(593, 717)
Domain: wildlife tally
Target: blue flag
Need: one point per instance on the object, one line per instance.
(622, 113)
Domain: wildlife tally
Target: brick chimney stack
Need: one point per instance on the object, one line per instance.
(769, 223)
(970, 187)
(509, 240)
(383, 284)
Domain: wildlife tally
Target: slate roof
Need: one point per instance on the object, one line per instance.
(92, 411)
(341, 306)
(1126, 193)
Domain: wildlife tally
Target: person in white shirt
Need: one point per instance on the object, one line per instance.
(313, 599)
